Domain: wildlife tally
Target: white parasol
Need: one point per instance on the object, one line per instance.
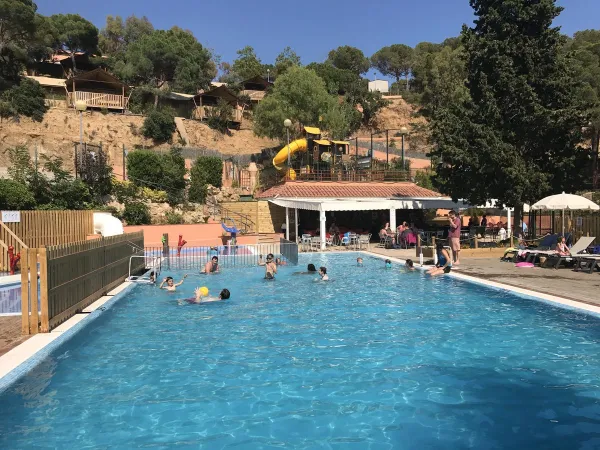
(563, 201)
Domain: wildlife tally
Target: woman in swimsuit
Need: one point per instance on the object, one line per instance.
(444, 264)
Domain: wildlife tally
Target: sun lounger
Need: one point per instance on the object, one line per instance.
(590, 261)
(546, 243)
(581, 245)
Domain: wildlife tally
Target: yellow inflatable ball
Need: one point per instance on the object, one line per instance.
(204, 291)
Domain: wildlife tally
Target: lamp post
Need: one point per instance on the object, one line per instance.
(268, 75)
(80, 106)
(403, 132)
(287, 123)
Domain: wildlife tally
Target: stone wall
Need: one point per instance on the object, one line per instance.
(267, 217)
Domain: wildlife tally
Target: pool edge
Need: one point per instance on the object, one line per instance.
(554, 300)
(27, 355)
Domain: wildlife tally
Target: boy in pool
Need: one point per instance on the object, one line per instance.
(388, 264)
(152, 277)
(171, 286)
(224, 295)
(359, 262)
(211, 266)
(323, 274)
(409, 266)
(270, 266)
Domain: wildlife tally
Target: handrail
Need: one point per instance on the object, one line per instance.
(244, 220)
(15, 237)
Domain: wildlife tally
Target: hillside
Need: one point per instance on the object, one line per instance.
(396, 115)
(60, 130)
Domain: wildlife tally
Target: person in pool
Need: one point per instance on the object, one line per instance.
(409, 265)
(212, 266)
(280, 262)
(388, 264)
(310, 269)
(444, 264)
(170, 284)
(359, 262)
(199, 298)
(270, 266)
(152, 277)
(323, 274)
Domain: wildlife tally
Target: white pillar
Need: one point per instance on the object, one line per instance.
(323, 233)
(393, 219)
(509, 220)
(287, 223)
(296, 222)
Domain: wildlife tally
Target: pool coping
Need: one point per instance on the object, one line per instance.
(20, 360)
(560, 302)
(26, 356)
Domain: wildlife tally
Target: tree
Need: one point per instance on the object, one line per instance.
(15, 195)
(298, 95)
(173, 173)
(286, 59)
(159, 125)
(144, 169)
(17, 29)
(206, 170)
(339, 81)
(136, 213)
(168, 58)
(349, 58)
(75, 34)
(25, 99)
(515, 139)
(219, 116)
(247, 64)
(111, 39)
(395, 61)
(95, 171)
(584, 51)
(341, 120)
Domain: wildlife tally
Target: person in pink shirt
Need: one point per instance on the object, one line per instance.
(454, 235)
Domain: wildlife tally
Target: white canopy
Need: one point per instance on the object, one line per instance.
(563, 201)
(367, 204)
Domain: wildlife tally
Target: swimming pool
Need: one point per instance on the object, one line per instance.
(375, 359)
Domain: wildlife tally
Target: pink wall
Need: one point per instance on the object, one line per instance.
(196, 234)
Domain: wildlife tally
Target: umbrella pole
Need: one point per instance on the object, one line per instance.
(563, 220)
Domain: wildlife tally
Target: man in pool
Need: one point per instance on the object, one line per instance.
(359, 262)
(323, 274)
(211, 266)
(270, 266)
(170, 284)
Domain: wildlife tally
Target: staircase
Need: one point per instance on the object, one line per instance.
(243, 223)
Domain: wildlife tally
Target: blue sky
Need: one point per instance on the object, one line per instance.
(310, 27)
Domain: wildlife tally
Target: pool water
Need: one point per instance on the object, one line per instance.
(375, 359)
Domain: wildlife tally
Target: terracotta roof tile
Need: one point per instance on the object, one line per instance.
(347, 190)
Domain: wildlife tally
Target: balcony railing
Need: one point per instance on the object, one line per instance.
(98, 99)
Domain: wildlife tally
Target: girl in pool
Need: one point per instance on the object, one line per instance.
(171, 286)
(444, 264)
(388, 264)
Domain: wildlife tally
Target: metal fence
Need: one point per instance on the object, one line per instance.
(72, 276)
(194, 258)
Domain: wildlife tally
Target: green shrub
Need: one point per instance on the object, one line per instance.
(15, 196)
(219, 116)
(104, 111)
(159, 126)
(206, 170)
(136, 213)
(154, 196)
(69, 194)
(25, 99)
(173, 218)
(144, 168)
(424, 180)
(124, 191)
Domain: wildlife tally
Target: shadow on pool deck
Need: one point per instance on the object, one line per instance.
(579, 286)
(10, 333)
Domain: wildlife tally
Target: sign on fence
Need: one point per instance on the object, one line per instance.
(11, 216)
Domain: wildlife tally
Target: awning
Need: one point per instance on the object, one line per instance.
(312, 130)
(366, 204)
(322, 142)
(341, 142)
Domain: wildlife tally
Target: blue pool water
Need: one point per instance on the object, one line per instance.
(376, 359)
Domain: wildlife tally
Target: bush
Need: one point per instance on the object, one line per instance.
(206, 170)
(136, 213)
(25, 99)
(69, 194)
(104, 111)
(159, 125)
(173, 218)
(219, 116)
(124, 191)
(154, 196)
(424, 180)
(144, 168)
(15, 196)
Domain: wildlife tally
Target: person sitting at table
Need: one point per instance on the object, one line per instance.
(402, 227)
(386, 231)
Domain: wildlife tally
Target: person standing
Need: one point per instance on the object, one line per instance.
(454, 236)
(484, 221)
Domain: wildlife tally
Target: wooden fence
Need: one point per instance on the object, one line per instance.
(38, 229)
(72, 276)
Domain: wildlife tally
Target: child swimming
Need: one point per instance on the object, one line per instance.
(388, 264)
(359, 262)
(270, 267)
(323, 274)
(171, 286)
(409, 266)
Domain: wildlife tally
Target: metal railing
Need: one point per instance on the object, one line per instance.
(194, 258)
(244, 223)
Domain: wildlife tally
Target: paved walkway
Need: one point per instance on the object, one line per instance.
(578, 286)
(10, 333)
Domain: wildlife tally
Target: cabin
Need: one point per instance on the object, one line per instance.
(256, 88)
(205, 101)
(54, 89)
(98, 89)
(60, 65)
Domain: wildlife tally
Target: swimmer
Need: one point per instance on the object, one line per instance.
(323, 274)
(152, 277)
(359, 262)
(171, 286)
(270, 266)
(409, 266)
(211, 266)
(199, 298)
(310, 269)
(444, 264)
(388, 264)
(280, 262)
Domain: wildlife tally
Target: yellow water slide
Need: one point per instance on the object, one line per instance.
(299, 145)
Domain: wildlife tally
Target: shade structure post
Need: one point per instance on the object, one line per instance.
(323, 232)
(563, 222)
(296, 222)
(287, 223)
(509, 223)
(393, 219)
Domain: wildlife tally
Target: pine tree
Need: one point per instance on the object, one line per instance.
(515, 138)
